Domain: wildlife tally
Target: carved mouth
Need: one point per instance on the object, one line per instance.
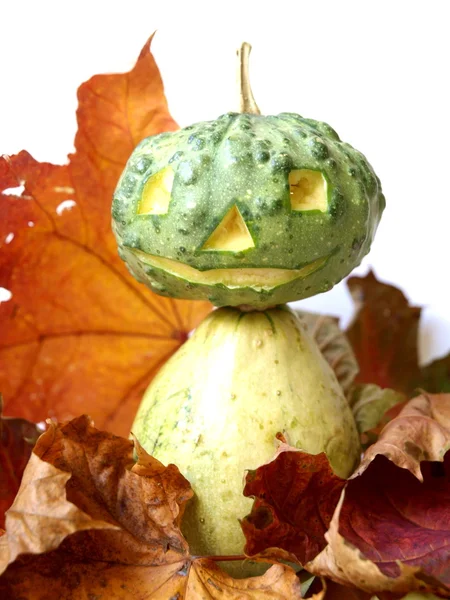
(256, 278)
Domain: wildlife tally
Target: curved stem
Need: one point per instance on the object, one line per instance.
(229, 558)
(247, 103)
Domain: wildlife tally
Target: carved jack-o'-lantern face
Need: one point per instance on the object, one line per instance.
(246, 210)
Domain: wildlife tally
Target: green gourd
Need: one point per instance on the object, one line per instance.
(246, 210)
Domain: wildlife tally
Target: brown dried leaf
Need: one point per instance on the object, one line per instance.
(58, 575)
(369, 404)
(334, 345)
(384, 334)
(421, 432)
(77, 476)
(279, 582)
(435, 376)
(41, 517)
(384, 338)
(105, 527)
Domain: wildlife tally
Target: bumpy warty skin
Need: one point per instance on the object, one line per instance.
(245, 160)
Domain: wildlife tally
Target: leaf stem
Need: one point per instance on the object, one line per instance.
(223, 558)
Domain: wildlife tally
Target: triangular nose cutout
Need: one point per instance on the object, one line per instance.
(231, 235)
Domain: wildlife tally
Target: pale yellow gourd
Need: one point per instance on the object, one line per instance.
(216, 406)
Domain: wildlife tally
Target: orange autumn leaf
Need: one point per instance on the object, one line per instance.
(79, 333)
(105, 527)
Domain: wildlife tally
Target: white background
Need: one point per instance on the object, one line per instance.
(377, 71)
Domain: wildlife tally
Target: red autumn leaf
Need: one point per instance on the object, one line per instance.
(384, 339)
(391, 531)
(391, 516)
(295, 497)
(107, 528)
(17, 438)
(384, 334)
(79, 333)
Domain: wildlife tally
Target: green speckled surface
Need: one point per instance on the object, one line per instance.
(215, 408)
(245, 160)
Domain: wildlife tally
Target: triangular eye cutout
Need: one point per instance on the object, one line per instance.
(231, 235)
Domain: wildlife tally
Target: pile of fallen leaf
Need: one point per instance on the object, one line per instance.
(85, 519)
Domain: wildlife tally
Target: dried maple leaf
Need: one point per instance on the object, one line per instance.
(370, 404)
(295, 497)
(435, 377)
(78, 474)
(198, 579)
(79, 333)
(384, 338)
(421, 432)
(370, 436)
(17, 438)
(334, 345)
(384, 334)
(105, 527)
(391, 531)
